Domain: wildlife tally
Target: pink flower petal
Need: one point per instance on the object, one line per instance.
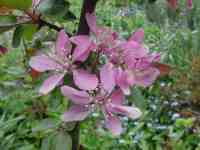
(50, 83)
(123, 80)
(84, 80)
(75, 113)
(117, 97)
(131, 112)
(107, 77)
(43, 63)
(189, 4)
(91, 20)
(133, 52)
(76, 96)
(63, 46)
(134, 49)
(146, 77)
(83, 47)
(138, 36)
(114, 125)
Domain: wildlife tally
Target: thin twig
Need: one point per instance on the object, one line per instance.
(36, 19)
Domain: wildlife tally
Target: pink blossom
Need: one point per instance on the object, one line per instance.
(124, 79)
(107, 77)
(83, 47)
(61, 62)
(131, 55)
(103, 37)
(138, 36)
(121, 64)
(134, 63)
(110, 102)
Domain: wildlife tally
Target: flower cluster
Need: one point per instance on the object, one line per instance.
(104, 67)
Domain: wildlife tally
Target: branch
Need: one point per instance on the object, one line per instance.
(83, 29)
(88, 7)
(52, 26)
(36, 19)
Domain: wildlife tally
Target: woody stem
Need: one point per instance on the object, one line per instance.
(88, 6)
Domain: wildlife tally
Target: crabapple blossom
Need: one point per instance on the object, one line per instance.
(103, 82)
(110, 103)
(60, 63)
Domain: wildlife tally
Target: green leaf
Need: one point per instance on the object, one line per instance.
(62, 141)
(7, 22)
(29, 30)
(47, 143)
(16, 4)
(184, 122)
(17, 36)
(69, 16)
(23, 31)
(138, 99)
(53, 8)
(45, 124)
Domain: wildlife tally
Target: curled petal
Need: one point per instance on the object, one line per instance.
(146, 77)
(84, 80)
(131, 112)
(50, 83)
(124, 80)
(135, 49)
(117, 97)
(114, 125)
(76, 96)
(133, 52)
(107, 77)
(43, 63)
(138, 36)
(75, 113)
(91, 20)
(83, 47)
(63, 44)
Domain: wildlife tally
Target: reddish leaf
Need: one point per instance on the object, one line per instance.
(172, 4)
(34, 74)
(3, 50)
(163, 68)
